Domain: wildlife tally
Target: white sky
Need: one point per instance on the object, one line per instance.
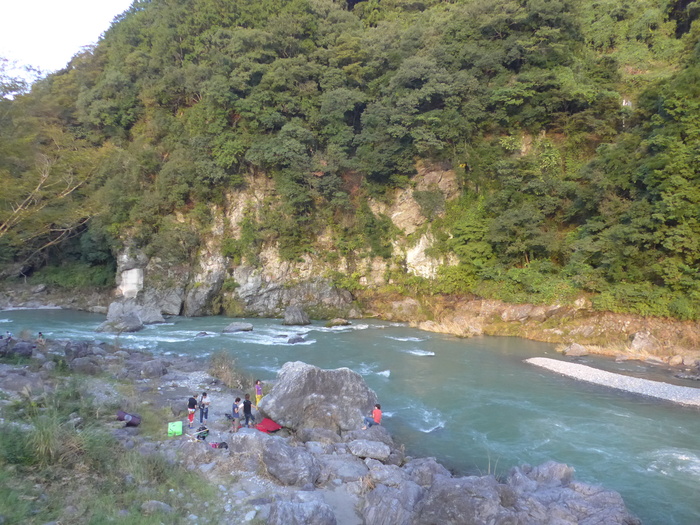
(47, 33)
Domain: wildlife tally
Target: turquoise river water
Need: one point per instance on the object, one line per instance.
(471, 403)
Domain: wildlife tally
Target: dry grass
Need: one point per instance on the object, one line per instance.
(223, 367)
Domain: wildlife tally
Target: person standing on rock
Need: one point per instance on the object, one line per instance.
(258, 392)
(236, 414)
(191, 409)
(247, 412)
(376, 418)
(204, 403)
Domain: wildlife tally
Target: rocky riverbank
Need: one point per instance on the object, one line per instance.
(321, 468)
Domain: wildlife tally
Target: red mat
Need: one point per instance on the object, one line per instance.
(267, 425)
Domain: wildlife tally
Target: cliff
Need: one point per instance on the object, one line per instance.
(213, 283)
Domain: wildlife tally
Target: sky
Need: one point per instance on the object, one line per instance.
(47, 33)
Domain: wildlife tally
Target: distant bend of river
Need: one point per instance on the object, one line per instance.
(471, 403)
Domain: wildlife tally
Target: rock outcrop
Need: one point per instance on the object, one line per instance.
(306, 397)
(295, 315)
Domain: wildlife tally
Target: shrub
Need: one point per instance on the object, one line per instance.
(76, 275)
(223, 366)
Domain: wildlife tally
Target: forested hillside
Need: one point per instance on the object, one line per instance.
(574, 129)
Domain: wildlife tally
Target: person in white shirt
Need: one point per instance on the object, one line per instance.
(204, 402)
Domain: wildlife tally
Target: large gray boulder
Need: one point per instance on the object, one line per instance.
(127, 324)
(474, 500)
(301, 509)
(86, 365)
(20, 349)
(238, 327)
(306, 396)
(153, 368)
(295, 315)
(363, 448)
(423, 471)
(75, 349)
(392, 505)
(146, 313)
(575, 350)
(289, 465)
(129, 315)
(343, 467)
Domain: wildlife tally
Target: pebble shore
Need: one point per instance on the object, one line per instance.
(682, 395)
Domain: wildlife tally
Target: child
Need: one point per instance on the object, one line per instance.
(258, 392)
(376, 418)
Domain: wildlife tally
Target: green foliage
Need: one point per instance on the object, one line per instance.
(181, 102)
(431, 202)
(40, 443)
(76, 275)
(341, 280)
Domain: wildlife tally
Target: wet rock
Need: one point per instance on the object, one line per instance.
(337, 322)
(294, 339)
(128, 323)
(295, 315)
(238, 327)
(146, 313)
(575, 350)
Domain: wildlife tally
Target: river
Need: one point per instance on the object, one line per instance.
(471, 403)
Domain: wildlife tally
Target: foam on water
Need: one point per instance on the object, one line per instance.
(270, 369)
(670, 461)
(5, 321)
(405, 339)
(384, 373)
(419, 352)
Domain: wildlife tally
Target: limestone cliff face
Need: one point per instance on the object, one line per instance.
(213, 283)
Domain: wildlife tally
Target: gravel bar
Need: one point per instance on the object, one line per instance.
(677, 394)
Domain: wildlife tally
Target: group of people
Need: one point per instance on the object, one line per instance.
(243, 410)
(202, 403)
(40, 340)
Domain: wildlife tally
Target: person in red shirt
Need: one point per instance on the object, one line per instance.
(376, 418)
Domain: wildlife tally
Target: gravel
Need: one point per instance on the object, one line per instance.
(677, 394)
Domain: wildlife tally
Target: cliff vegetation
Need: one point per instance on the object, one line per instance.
(570, 131)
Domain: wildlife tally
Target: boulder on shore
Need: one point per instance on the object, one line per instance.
(306, 396)
(575, 350)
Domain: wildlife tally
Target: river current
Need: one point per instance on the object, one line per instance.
(471, 403)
